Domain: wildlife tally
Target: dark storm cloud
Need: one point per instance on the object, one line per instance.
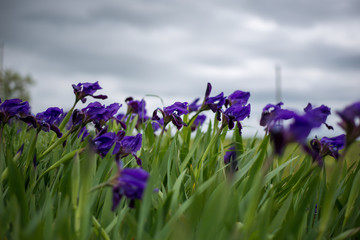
(173, 48)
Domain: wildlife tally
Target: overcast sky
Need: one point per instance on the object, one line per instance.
(173, 48)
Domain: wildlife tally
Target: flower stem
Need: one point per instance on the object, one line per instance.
(212, 142)
(54, 145)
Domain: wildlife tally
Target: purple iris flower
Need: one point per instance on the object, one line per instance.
(238, 97)
(298, 130)
(98, 113)
(326, 146)
(84, 133)
(301, 127)
(104, 142)
(172, 114)
(230, 158)
(13, 108)
(51, 115)
(199, 120)
(130, 183)
(157, 124)
(136, 107)
(127, 145)
(273, 114)
(318, 115)
(350, 117)
(235, 113)
(213, 103)
(45, 120)
(180, 108)
(82, 90)
(193, 107)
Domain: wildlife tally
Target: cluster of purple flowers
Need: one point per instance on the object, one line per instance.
(273, 119)
(17, 109)
(284, 127)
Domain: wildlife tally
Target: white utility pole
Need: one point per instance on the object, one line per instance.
(278, 83)
(2, 68)
(2, 57)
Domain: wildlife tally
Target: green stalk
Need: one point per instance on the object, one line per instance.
(64, 159)
(192, 120)
(329, 199)
(98, 226)
(54, 145)
(67, 117)
(5, 173)
(207, 150)
(64, 121)
(32, 150)
(157, 146)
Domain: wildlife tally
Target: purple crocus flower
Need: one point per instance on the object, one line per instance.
(82, 90)
(326, 146)
(350, 117)
(130, 183)
(199, 120)
(127, 145)
(172, 114)
(13, 108)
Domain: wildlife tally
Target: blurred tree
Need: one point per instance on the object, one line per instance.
(13, 85)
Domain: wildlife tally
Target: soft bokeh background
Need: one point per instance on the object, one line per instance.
(173, 48)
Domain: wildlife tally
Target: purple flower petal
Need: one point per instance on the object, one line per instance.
(130, 183)
(239, 97)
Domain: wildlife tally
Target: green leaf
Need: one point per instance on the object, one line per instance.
(354, 193)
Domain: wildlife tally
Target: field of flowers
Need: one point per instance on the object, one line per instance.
(94, 173)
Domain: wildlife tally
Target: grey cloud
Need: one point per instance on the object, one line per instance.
(302, 13)
(151, 47)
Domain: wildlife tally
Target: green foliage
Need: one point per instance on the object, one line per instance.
(13, 85)
(66, 195)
